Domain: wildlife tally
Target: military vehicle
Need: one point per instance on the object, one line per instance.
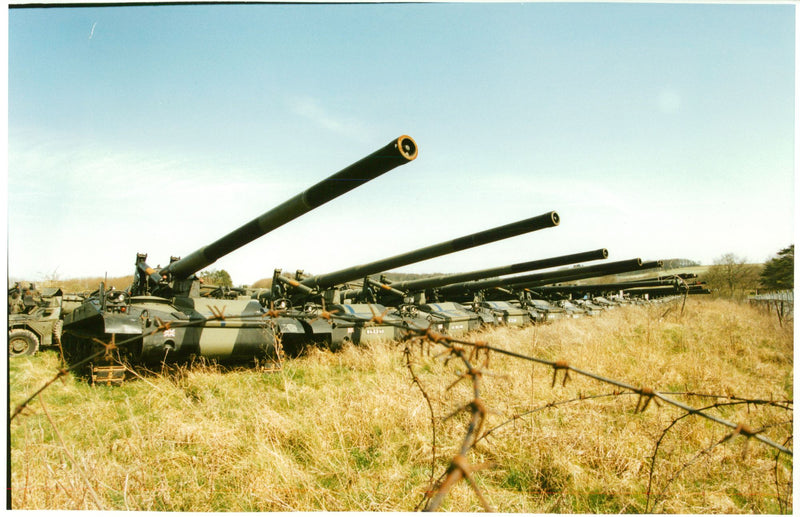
(38, 324)
(162, 316)
(549, 312)
(466, 291)
(500, 312)
(572, 310)
(604, 302)
(450, 318)
(455, 318)
(655, 287)
(331, 292)
(522, 289)
(590, 307)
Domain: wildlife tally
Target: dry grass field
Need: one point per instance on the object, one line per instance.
(353, 431)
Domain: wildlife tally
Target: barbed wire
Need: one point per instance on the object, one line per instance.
(645, 395)
(459, 467)
(416, 381)
(469, 353)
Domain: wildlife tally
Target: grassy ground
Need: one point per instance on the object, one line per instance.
(350, 431)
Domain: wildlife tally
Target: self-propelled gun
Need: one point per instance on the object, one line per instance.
(162, 317)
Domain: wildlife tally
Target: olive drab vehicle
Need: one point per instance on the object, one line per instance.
(163, 317)
(455, 318)
(521, 289)
(35, 318)
(332, 293)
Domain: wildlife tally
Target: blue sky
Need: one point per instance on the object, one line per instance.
(654, 130)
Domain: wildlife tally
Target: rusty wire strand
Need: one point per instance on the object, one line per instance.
(783, 404)
(217, 312)
(783, 503)
(645, 396)
(407, 352)
(518, 416)
(561, 365)
(377, 318)
(740, 430)
(459, 467)
(664, 433)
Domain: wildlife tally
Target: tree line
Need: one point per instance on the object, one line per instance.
(731, 275)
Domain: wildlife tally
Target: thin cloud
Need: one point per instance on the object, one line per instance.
(310, 109)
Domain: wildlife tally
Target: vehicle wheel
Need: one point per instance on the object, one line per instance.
(57, 329)
(22, 342)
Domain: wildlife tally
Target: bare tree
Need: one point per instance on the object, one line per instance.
(732, 276)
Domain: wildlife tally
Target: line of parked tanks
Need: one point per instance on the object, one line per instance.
(167, 314)
(37, 321)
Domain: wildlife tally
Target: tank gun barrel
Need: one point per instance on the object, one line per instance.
(398, 152)
(563, 260)
(321, 282)
(543, 278)
(582, 273)
(608, 287)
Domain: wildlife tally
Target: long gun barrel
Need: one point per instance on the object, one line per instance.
(398, 152)
(634, 290)
(608, 287)
(623, 266)
(563, 260)
(543, 278)
(321, 282)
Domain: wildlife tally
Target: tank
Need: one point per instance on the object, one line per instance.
(453, 318)
(438, 281)
(573, 311)
(327, 292)
(502, 313)
(519, 289)
(163, 317)
(450, 318)
(35, 318)
(608, 288)
(467, 290)
(543, 311)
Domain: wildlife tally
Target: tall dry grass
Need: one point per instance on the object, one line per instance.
(349, 431)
